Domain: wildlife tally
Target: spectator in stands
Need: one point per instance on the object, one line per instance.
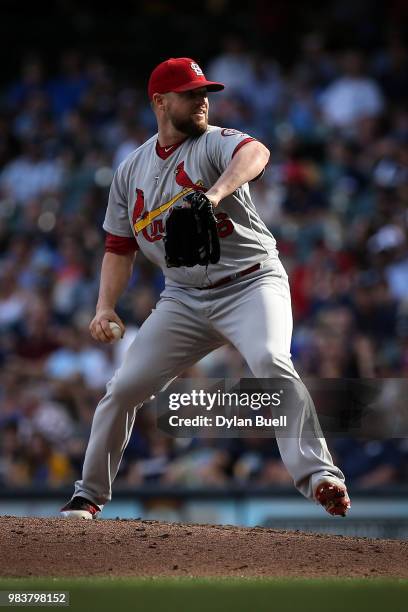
(68, 88)
(31, 174)
(369, 463)
(233, 64)
(13, 299)
(353, 96)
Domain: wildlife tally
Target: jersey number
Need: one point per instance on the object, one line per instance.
(224, 225)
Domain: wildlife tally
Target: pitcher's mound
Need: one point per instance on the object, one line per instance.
(61, 547)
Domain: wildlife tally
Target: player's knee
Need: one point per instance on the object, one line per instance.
(273, 365)
(129, 392)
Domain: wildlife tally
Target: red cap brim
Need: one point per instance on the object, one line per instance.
(210, 85)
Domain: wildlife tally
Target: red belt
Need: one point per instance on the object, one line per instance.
(232, 277)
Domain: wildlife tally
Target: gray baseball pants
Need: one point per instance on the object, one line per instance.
(254, 314)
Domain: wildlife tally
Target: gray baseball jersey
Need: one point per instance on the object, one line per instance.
(145, 187)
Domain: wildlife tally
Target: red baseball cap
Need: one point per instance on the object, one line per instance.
(179, 74)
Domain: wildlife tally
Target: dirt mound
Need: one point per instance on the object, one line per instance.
(61, 547)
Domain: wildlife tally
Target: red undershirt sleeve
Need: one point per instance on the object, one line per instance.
(120, 245)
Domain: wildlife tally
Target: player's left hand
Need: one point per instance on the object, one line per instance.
(214, 199)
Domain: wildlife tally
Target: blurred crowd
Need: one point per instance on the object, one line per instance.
(335, 196)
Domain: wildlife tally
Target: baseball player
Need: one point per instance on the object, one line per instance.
(243, 298)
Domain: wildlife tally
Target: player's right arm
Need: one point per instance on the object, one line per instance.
(117, 265)
(115, 275)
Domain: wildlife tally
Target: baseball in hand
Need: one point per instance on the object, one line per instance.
(115, 329)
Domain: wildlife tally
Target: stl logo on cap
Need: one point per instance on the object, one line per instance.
(196, 69)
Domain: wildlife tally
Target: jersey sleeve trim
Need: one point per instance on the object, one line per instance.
(120, 245)
(241, 144)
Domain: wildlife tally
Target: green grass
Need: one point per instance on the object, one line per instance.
(223, 594)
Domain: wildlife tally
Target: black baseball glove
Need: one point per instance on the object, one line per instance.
(191, 233)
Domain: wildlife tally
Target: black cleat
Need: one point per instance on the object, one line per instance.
(79, 507)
